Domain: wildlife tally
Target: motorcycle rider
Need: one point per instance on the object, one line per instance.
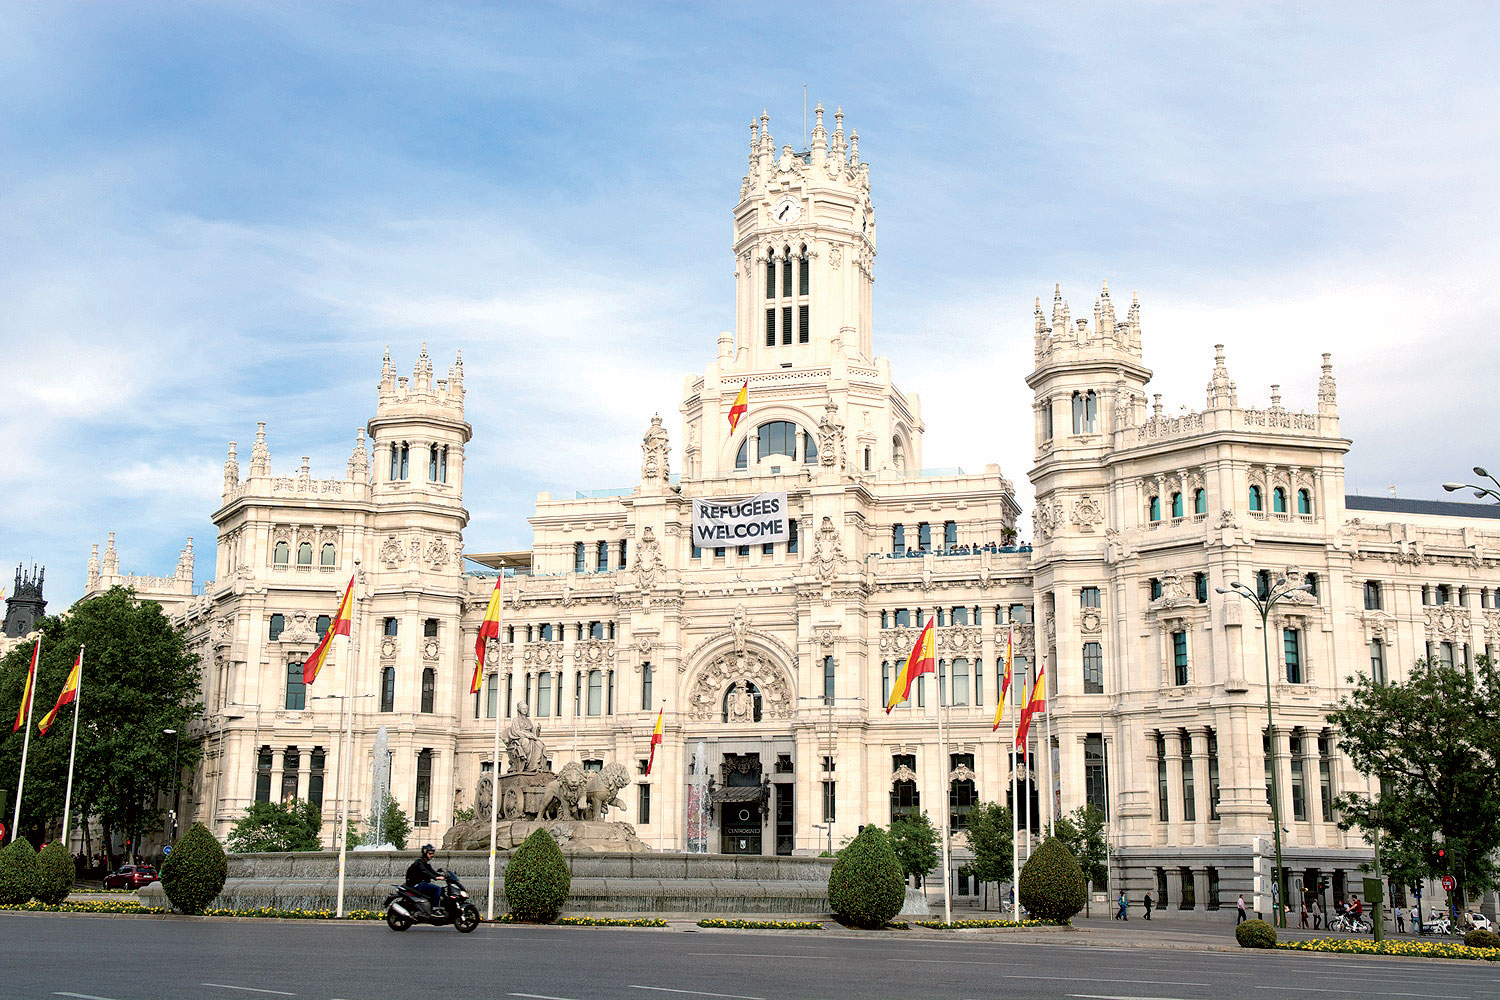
(421, 876)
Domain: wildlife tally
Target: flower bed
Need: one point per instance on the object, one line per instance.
(959, 925)
(612, 921)
(121, 906)
(761, 925)
(1411, 949)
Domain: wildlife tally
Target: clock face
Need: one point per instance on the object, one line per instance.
(787, 210)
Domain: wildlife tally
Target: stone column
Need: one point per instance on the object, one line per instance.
(1199, 764)
(1176, 833)
(1281, 749)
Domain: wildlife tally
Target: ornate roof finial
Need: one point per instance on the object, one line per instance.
(1327, 388)
(854, 147)
(260, 455)
(1221, 390)
(1058, 320)
(1275, 397)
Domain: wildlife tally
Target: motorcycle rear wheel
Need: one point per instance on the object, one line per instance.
(396, 921)
(467, 920)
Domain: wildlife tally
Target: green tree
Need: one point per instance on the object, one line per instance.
(1082, 832)
(1052, 882)
(272, 827)
(537, 880)
(865, 887)
(1432, 747)
(988, 830)
(138, 679)
(394, 826)
(195, 871)
(915, 842)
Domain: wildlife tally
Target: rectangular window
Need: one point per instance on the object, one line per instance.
(596, 692)
(830, 802)
(791, 543)
(422, 809)
(316, 764)
(770, 327)
(1189, 805)
(646, 702)
(624, 547)
(1292, 643)
(786, 324)
(950, 534)
(1093, 668)
(1213, 776)
(771, 278)
(1095, 787)
(601, 557)
(898, 539)
(1200, 587)
(768, 549)
(429, 688)
(786, 277)
(1162, 806)
(296, 690)
(1179, 658)
(1372, 595)
(1088, 597)
(885, 682)
(291, 763)
(388, 690)
(491, 695)
(742, 550)
(391, 626)
(802, 276)
(430, 628)
(802, 324)
(719, 552)
(1445, 654)
(263, 775)
(1325, 778)
(544, 695)
(828, 680)
(924, 536)
(1377, 661)
(1020, 614)
(960, 681)
(1299, 782)
(643, 804)
(580, 558)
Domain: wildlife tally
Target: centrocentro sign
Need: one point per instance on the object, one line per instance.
(757, 520)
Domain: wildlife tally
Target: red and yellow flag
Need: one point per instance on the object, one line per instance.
(741, 404)
(489, 628)
(69, 694)
(341, 625)
(28, 689)
(655, 740)
(918, 663)
(1038, 703)
(1010, 640)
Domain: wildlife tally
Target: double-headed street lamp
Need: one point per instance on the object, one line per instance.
(1479, 491)
(1279, 591)
(176, 743)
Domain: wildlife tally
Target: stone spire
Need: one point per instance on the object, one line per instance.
(387, 372)
(231, 471)
(1221, 390)
(819, 137)
(838, 134)
(93, 580)
(1328, 395)
(260, 455)
(358, 468)
(1059, 309)
(111, 563)
(1104, 313)
(421, 379)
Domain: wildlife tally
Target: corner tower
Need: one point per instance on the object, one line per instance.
(25, 605)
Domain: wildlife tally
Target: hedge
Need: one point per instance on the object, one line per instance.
(537, 881)
(1052, 885)
(195, 871)
(865, 887)
(18, 873)
(55, 871)
(1255, 934)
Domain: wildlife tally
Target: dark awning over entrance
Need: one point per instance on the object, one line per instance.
(737, 793)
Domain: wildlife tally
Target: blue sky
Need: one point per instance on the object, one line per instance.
(218, 213)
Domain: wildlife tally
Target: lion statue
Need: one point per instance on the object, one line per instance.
(561, 799)
(599, 795)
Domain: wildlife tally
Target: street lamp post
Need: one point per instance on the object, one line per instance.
(1279, 591)
(176, 744)
(828, 701)
(1479, 491)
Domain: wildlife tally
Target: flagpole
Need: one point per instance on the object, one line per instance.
(73, 750)
(1015, 798)
(30, 695)
(489, 906)
(1054, 792)
(345, 765)
(943, 802)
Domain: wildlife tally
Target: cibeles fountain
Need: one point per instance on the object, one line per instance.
(571, 803)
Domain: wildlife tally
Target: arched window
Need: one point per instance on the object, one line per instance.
(304, 554)
(329, 554)
(778, 437)
(388, 689)
(1077, 413)
(281, 553)
(770, 274)
(1278, 501)
(1176, 504)
(1200, 501)
(803, 279)
(432, 463)
(791, 541)
(278, 626)
(1304, 502)
(395, 462)
(809, 449)
(580, 558)
(786, 272)
(429, 688)
(742, 457)
(754, 700)
(596, 692)
(962, 795)
(405, 460)
(323, 622)
(296, 690)
(443, 464)
(1155, 508)
(898, 455)
(1255, 498)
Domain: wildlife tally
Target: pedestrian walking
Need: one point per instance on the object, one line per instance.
(1239, 905)
(1148, 906)
(1303, 916)
(1121, 915)
(1317, 915)
(1400, 921)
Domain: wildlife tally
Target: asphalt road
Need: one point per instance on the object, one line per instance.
(96, 958)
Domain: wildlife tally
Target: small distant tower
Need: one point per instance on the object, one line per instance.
(419, 434)
(25, 605)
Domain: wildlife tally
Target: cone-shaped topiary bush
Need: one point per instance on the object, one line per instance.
(195, 871)
(17, 872)
(1052, 882)
(865, 887)
(537, 879)
(1255, 934)
(55, 871)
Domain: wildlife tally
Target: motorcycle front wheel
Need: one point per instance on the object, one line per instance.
(396, 921)
(468, 919)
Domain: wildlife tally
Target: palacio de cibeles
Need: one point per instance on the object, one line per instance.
(771, 663)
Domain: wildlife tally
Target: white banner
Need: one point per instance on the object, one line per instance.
(756, 520)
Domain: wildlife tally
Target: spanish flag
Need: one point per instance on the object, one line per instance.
(655, 740)
(489, 628)
(69, 694)
(1038, 703)
(341, 625)
(741, 404)
(28, 689)
(918, 663)
(1010, 640)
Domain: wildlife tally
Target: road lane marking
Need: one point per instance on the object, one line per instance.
(248, 989)
(1108, 996)
(81, 996)
(749, 954)
(536, 996)
(697, 993)
(1377, 993)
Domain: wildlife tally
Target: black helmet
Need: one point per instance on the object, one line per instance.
(428, 847)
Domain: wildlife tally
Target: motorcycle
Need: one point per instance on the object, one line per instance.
(407, 906)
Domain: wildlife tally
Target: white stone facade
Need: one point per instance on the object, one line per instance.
(1154, 681)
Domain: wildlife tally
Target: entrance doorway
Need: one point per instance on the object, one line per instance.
(741, 827)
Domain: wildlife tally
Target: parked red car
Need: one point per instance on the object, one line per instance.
(130, 877)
